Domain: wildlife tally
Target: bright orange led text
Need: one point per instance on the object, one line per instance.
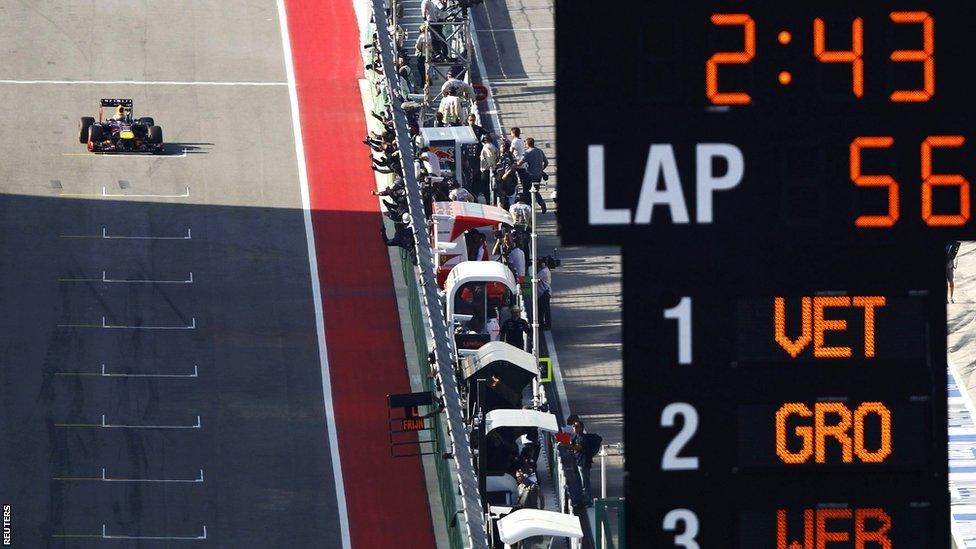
(867, 528)
(834, 422)
(814, 325)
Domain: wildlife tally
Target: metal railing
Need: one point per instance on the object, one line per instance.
(469, 517)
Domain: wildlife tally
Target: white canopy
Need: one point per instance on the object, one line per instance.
(495, 351)
(526, 523)
(479, 271)
(521, 418)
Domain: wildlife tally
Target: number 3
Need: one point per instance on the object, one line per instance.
(689, 519)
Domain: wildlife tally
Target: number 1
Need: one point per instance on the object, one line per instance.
(682, 313)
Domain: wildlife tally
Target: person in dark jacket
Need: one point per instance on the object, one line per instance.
(582, 444)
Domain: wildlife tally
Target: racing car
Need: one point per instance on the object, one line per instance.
(117, 131)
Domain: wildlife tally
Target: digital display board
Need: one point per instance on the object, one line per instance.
(817, 116)
(782, 178)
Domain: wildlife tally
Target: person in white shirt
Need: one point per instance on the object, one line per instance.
(451, 108)
(493, 327)
(420, 52)
(488, 159)
(518, 145)
(518, 152)
(544, 277)
(459, 87)
(431, 10)
(434, 11)
(521, 212)
(433, 163)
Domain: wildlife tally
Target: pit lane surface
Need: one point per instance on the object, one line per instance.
(163, 383)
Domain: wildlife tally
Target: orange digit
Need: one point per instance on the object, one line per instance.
(860, 180)
(942, 180)
(923, 56)
(733, 58)
(854, 56)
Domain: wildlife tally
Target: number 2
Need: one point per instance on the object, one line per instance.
(689, 519)
(730, 58)
(671, 460)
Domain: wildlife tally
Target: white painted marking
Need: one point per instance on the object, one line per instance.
(124, 155)
(105, 425)
(106, 478)
(106, 325)
(105, 535)
(106, 236)
(186, 193)
(107, 280)
(104, 373)
(314, 271)
(140, 83)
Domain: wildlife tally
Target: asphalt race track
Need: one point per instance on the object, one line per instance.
(160, 376)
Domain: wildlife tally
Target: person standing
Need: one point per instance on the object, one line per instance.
(488, 159)
(952, 250)
(505, 177)
(518, 145)
(450, 108)
(433, 11)
(515, 330)
(529, 496)
(479, 132)
(544, 276)
(492, 325)
(420, 52)
(585, 446)
(515, 258)
(535, 166)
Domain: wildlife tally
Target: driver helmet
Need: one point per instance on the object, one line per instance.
(120, 111)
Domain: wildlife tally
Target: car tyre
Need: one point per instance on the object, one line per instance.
(96, 133)
(147, 121)
(155, 134)
(86, 122)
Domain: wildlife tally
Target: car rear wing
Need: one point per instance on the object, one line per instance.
(117, 102)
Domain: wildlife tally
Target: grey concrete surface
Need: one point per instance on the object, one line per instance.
(517, 44)
(962, 317)
(262, 441)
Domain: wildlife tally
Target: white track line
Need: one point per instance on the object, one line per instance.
(140, 83)
(314, 271)
(124, 155)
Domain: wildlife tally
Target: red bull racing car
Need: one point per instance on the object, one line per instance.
(117, 131)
